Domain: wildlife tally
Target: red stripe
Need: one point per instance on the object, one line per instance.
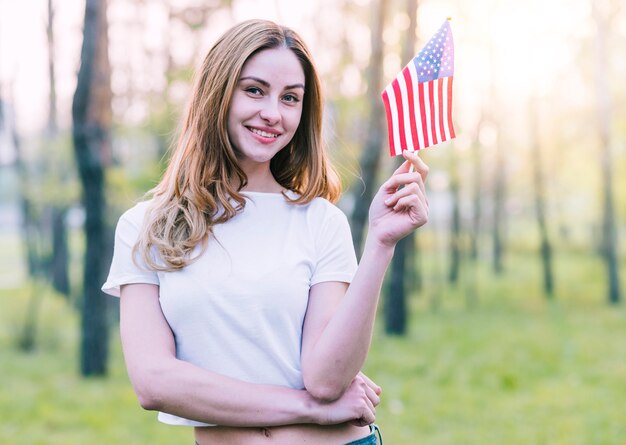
(442, 129)
(433, 118)
(420, 88)
(399, 99)
(389, 124)
(409, 89)
(452, 135)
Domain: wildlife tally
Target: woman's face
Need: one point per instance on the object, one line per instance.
(266, 105)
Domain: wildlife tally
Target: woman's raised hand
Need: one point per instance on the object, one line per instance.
(400, 205)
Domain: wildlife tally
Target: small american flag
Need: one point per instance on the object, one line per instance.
(418, 102)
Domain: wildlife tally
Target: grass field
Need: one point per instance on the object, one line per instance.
(512, 369)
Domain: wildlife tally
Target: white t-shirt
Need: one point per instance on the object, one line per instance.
(238, 310)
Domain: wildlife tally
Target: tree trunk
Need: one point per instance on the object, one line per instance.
(59, 267)
(472, 292)
(609, 230)
(60, 251)
(52, 96)
(28, 337)
(498, 207)
(370, 159)
(499, 182)
(91, 123)
(455, 225)
(545, 250)
(476, 192)
(29, 230)
(27, 340)
(395, 303)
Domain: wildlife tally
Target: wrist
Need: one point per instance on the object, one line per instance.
(379, 248)
(312, 411)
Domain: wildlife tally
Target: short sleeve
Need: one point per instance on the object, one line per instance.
(336, 259)
(124, 269)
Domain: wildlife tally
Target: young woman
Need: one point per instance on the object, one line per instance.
(243, 312)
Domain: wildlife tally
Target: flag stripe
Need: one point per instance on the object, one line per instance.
(449, 102)
(444, 111)
(399, 110)
(437, 106)
(442, 130)
(410, 110)
(433, 118)
(416, 118)
(394, 113)
(389, 123)
(423, 115)
(406, 127)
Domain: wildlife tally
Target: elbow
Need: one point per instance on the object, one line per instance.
(148, 400)
(324, 391)
(147, 388)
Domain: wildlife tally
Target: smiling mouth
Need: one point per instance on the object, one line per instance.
(262, 133)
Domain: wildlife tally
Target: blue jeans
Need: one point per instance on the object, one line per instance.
(371, 439)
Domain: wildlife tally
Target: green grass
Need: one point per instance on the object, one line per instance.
(511, 369)
(498, 376)
(44, 401)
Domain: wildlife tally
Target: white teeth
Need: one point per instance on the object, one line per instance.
(263, 133)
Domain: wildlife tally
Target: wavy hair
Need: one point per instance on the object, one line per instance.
(201, 185)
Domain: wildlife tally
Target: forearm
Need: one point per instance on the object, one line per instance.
(342, 347)
(337, 353)
(185, 390)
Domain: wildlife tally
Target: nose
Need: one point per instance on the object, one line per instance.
(270, 112)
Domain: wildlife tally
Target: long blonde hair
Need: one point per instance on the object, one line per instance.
(201, 185)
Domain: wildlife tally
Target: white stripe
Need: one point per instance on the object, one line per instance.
(394, 120)
(405, 112)
(446, 124)
(416, 99)
(427, 112)
(436, 108)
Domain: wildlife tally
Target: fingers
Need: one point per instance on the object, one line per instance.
(400, 179)
(367, 415)
(413, 192)
(370, 398)
(419, 165)
(377, 389)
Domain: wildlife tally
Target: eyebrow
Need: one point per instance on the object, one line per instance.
(267, 84)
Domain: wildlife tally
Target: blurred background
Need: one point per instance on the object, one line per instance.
(501, 321)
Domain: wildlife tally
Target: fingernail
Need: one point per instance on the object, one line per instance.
(388, 201)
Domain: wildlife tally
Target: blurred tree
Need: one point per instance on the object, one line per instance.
(499, 185)
(455, 222)
(499, 195)
(402, 266)
(59, 261)
(30, 235)
(52, 109)
(604, 116)
(91, 113)
(370, 158)
(477, 189)
(545, 249)
(475, 228)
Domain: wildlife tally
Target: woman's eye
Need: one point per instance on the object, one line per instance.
(255, 91)
(291, 98)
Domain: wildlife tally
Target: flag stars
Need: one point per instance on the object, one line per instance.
(436, 58)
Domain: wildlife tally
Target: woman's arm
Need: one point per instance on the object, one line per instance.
(340, 318)
(164, 383)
